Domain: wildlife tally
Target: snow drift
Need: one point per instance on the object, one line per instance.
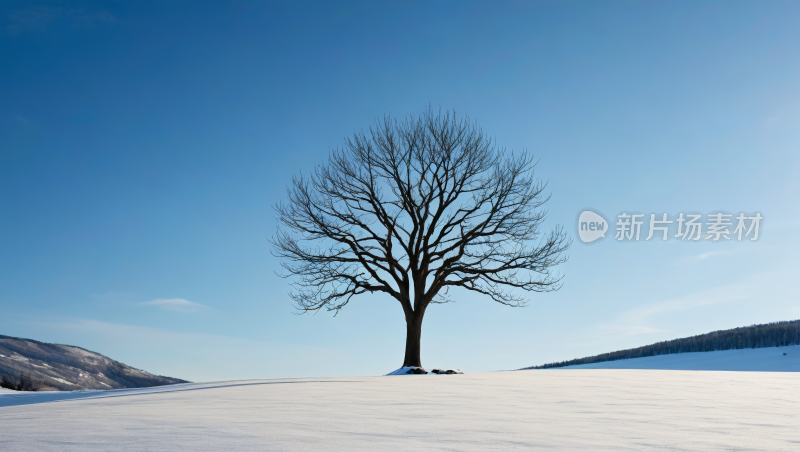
(771, 359)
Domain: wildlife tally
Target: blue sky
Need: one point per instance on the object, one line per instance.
(143, 145)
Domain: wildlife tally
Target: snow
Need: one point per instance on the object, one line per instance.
(61, 380)
(770, 359)
(404, 371)
(81, 352)
(590, 409)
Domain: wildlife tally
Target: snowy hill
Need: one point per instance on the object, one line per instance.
(772, 359)
(554, 409)
(68, 368)
(766, 336)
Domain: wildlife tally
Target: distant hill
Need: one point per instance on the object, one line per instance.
(755, 336)
(69, 368)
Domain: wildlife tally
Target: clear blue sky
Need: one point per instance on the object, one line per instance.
(142, 145)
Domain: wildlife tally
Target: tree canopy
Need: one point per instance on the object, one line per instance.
(413, 208)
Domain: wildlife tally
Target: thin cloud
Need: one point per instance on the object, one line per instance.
(633, 322)
(112, 295)
(40, 18)
(196, 356)
(722, 294)
(627, 331)
(175, 304)
(705, 256)
(35, 19)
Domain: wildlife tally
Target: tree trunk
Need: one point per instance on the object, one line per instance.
(413, 337)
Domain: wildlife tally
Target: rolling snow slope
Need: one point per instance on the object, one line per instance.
(770, 359)
(589, 409)
(69, 368)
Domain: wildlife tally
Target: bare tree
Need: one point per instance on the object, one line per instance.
(412, 209)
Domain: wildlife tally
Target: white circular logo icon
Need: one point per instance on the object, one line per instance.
(591, 226)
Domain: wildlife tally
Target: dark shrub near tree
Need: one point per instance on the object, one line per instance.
(7, 383)
(23, 383)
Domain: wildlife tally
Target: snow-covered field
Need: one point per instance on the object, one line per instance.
(590, 409)
(770, 359)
